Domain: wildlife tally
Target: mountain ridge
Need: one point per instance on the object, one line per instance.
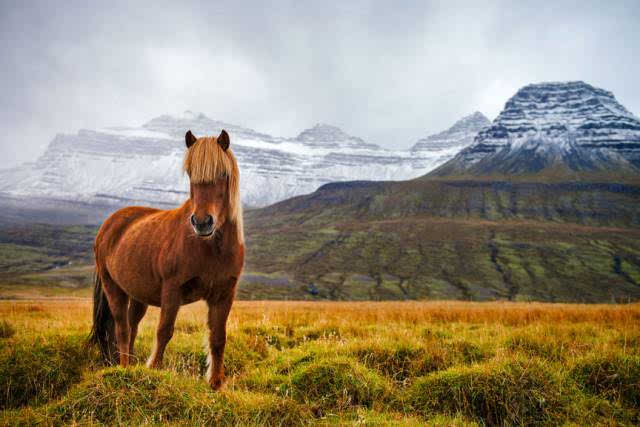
(142, 165)
(570, 124)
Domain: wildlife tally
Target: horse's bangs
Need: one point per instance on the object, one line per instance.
(206, 161)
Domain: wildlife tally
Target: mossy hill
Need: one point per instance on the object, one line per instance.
(479, 239)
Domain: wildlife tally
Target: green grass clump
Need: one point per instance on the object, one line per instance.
(370, 417)
(467, 351)
(403, 362)
(34, 372)
(266, 337)
(535, 345)
(190, 356)
(136, 396)
(335, 384)
(399, 363)
(612, 376)
(512, 392)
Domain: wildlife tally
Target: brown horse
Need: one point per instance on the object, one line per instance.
(168, 258)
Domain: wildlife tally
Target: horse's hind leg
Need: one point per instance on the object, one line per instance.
(136, 312)
(118, 302)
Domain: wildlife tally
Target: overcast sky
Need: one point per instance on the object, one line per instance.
(389, 72)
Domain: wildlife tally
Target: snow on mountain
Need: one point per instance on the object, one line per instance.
(327, 136)
(122, 165)
(571, 124)
(458, 136)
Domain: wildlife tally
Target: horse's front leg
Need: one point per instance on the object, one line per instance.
(217, 321)
(169, 306)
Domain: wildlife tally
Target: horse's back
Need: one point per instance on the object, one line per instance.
(115, 226)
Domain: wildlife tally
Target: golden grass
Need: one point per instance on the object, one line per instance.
(445, 362)
(438, 311)
(75, 313)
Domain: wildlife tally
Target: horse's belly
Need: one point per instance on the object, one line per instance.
(133, 272)
(192, 291)
(139, 286)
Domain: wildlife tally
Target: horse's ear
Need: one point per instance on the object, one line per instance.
(190, 139)
(223, 140)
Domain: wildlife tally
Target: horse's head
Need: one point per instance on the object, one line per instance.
(213, 175)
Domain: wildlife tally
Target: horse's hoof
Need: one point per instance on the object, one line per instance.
(152, 364)
(217, 383)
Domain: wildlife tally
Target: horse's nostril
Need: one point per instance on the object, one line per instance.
(209, 220)
(193, 220)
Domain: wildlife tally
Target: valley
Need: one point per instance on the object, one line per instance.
(542, 204)
(420, 239)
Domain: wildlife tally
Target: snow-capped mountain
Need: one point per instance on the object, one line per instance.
(458, 136)
(327, 136)
(122, 165)
(572, 125)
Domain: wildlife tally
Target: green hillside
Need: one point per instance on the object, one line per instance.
(466, 239)
(535, 238)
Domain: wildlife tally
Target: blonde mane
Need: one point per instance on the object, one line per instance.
(205, 162)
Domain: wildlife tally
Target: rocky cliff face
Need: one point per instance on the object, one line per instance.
(119, 166)
(572, 125)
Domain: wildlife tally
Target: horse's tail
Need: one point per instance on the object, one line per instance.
(103, 330)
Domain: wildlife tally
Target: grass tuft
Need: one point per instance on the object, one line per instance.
(136, 396)
(534, 345)
(397, 362)
(612, 376)
(519, 391)
(34, 372)
(335, 384)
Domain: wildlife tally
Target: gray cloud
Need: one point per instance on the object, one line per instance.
(389, 72)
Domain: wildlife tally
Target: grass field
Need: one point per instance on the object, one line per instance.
(296, 363)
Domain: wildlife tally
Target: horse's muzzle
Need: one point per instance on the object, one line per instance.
(204, 228)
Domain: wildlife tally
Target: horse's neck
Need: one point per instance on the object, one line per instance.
(230, 235)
